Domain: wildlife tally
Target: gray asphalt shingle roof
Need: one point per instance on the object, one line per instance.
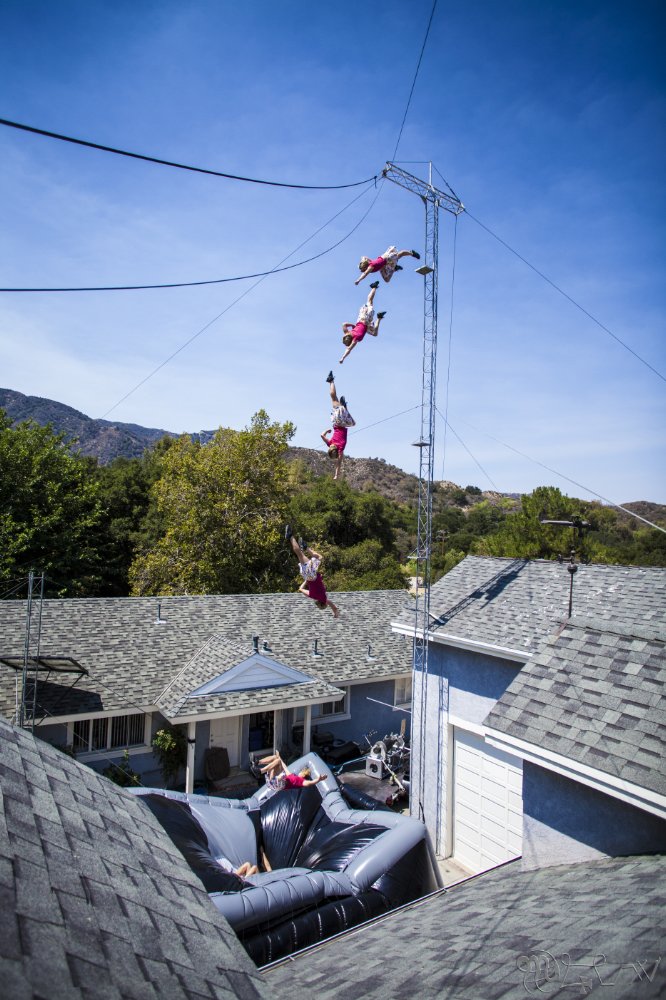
(96, 901)
(131, 658)
(595, 693)
(489, 938)
(218, 655)
(516, 603)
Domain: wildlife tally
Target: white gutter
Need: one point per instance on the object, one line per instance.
(474, 645)
(608, 784)
(178, 720)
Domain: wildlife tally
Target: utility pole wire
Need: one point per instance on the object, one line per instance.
(178, 166)
(567, 296)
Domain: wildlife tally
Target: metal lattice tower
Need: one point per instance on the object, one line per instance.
(26, 707)
(433, 200)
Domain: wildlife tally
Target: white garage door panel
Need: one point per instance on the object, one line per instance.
(487, 803)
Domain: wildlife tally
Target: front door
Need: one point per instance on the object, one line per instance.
(225, 733)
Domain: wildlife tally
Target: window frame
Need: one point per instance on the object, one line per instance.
(407, 681)
(104, 725)
(319, 718)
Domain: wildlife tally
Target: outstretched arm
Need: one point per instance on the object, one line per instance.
(338, 465)
(314, 781)
(364, 275)
(303, 589)
(349, 350)
(325, 436)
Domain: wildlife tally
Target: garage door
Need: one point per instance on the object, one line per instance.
(487, 803)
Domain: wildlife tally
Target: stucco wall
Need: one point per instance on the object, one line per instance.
(462, 683)
(565, 822)
(366, 715)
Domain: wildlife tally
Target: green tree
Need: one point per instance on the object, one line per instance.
(523, 536)
(330, 510)
(365, 566)
(223, 507)
(49, 508)
(130, 521)
(170, 745)
(355, 532)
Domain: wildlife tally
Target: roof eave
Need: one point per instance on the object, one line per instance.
(474, 645)
(608, 784)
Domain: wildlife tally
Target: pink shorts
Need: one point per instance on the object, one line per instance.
(358, 333)
(339, 439)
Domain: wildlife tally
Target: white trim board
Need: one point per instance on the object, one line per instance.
(474, 645)
(608, 784)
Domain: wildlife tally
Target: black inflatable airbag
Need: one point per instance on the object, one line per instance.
(327, 919)
(187, 834)
(286, 818)
(332, 847)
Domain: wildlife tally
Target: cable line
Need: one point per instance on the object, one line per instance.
(188, 284)
(357, 430)
(448, 366)
(566, 296)
(418, 66)
(475, 460)
(251, 288)
(178, 166)
(568, 479)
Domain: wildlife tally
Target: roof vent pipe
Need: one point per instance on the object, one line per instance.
(369, 655)
(255, 643)
(315, 651)
(159, 620)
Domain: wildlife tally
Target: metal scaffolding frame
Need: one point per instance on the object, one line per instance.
(31, 663)
(434, 200)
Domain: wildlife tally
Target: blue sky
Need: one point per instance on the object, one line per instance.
(546, 118)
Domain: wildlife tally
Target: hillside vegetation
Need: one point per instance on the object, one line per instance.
(206, 514)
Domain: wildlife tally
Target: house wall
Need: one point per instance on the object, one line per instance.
(462, 683)
(367, 715)
(565, 822)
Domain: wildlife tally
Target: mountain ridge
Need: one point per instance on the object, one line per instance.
(107, 440)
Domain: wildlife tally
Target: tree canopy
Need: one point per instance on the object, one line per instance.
(193, 518)
(223, 508)
(49, 508)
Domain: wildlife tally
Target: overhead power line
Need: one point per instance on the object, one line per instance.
(475, 460)
(567, 296)
(411, 92)
(357, 430)
(247, 291)
(190, 284)
(178, 166)
(568, 479)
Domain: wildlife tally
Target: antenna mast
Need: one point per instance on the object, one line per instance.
(433, 199)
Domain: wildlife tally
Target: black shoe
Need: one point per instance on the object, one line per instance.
(398, 267)
(303, 544)
(287, 532)
(415, 254)
(330, 378)
(381, 315)
(374, 284)
(343, 401)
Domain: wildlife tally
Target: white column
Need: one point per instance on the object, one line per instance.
(189, 767)
(307, 721)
